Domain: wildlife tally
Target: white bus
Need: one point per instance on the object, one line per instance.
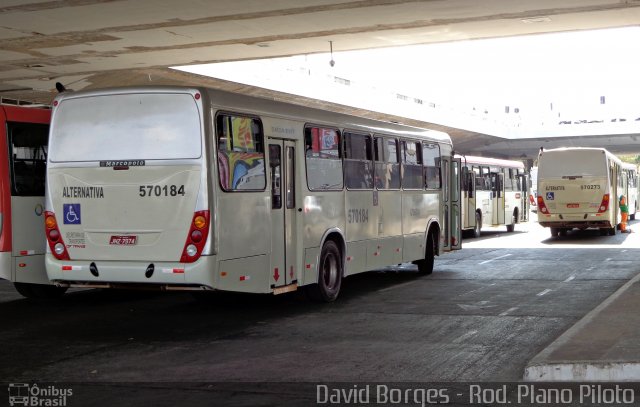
(495, 193)
(198, 189)
(24, 132)
(579, 188)
(630, 174)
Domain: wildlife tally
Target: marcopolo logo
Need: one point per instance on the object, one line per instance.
(31, 395)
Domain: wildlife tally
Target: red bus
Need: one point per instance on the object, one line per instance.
(24, 132)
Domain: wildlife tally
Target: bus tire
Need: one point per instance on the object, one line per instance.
(613, 231)
(514, 220)
(477, 228)
(603, 231)
(329, 274)
(554, 232)
(562, 232)
(632, 216)
(39, 291)
(425, 266)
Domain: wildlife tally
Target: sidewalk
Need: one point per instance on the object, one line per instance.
(602, 346)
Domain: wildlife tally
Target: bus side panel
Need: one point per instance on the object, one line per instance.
(248, 274)
(384, 252)
(356, 257)
(417, 208)
(244, 224)
(322, 211)
(311, 257)
(30, 269)
(414, 247)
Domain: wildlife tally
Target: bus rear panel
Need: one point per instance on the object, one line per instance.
(126, 198)
(577, 188)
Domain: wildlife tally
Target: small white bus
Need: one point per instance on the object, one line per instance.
(199, 189)
(494, 193)
(579, 188)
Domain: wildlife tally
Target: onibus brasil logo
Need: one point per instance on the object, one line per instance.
(31, 395)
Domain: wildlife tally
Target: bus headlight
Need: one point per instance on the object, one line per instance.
(192, 250)
(59, 248)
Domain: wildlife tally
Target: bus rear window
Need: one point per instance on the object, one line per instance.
(154, 126)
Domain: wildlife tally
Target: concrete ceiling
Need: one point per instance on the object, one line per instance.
(102, 43)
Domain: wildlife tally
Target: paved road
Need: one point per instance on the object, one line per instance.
(484, 312)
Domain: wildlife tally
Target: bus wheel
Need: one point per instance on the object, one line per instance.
(425, 266)
(477, 228)
(603, 231)
(554, 232)
(613, 231)
(39, 291)
(329, 274)
(562, 232)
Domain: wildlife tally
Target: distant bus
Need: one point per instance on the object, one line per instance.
(630, 173)
(579, 188)
(23, 153)
(495, 193)
(198, 189)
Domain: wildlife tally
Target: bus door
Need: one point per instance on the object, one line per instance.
(27, 162)
(523, 182)
(283, 212)
(451, 203)
(497, 196)
(469, 198)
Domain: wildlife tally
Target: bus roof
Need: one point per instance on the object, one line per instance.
(258, 105)
(564, 150)
(470, 159)
(26, 114)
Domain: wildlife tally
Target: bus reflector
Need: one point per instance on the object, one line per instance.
(245, 278)
(27, 252)
(22, 265)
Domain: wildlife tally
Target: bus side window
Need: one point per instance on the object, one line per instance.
(323, 159)
(241, 165)
(412, 172)
(387, 167)
(431, 158)
(28, 155)
(358, 166)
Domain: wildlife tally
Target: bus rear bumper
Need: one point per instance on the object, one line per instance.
(579, 221)
(205, 274)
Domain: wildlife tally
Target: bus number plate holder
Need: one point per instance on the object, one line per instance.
(123, 240)
(573, 205)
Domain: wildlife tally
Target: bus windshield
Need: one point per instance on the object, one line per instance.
(141, 126)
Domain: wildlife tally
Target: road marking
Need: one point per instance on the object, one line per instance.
(499, 257)
(623, 251)
(608, 259)
(540, 294)
(569, 279)
(510, 310)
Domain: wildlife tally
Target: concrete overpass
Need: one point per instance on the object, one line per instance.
(100, 43)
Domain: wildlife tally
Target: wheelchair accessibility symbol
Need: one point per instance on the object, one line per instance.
(550, 196)
(71, 213)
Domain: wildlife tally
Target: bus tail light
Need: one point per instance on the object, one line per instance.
(604, 205)
(56, 244)
(532, 201)
(196, 238)
(542, 206)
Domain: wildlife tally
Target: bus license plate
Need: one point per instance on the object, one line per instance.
(123, 240)
(573, 205)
